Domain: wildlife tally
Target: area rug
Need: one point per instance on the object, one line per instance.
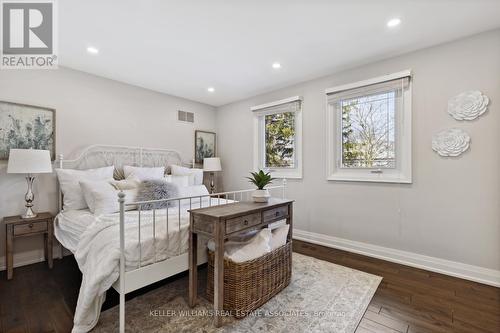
(322, 297)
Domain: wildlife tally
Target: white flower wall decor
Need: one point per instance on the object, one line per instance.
(468, 105)
(451, 142)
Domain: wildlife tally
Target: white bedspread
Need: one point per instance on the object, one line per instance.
(98, 253)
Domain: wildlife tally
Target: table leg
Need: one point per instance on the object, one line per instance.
(50, 240)
(193, 266)
(218, 275)
(9, 250)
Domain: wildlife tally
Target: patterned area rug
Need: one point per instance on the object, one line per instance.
(322, 297)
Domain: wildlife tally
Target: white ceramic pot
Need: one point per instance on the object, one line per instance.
(261, 195)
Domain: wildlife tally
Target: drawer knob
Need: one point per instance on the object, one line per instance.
(30, 225)
(277, 213)
(245, 222)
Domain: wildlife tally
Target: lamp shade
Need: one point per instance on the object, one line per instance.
(29, 161)
(211, 164)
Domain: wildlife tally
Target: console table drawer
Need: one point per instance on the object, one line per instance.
(29, 228)
(242, 222)
(275, 213)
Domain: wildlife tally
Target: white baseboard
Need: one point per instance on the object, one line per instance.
(452, 268)
(29, 257)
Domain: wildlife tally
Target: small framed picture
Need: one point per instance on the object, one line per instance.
(26, 126)
(204, 145)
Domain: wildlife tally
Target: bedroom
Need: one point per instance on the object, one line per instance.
(410, 240)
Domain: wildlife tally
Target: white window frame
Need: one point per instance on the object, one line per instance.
(403, 171)
(259, 113)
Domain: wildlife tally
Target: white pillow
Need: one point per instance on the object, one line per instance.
(180, 181)
(102, 197)
(278, 237)
(69, 181)
(143, 173)
(178, 170)
(129, 183)
(193, 191)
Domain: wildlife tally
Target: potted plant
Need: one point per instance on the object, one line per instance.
(260, 179)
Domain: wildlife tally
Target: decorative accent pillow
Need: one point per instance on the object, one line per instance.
(157, 190)
(278, 237)
(143, 173)
(102, 197)
(69, 181)
(180, 181)
(129, 183)
(178, 170)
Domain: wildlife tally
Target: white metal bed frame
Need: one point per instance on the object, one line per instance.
(144, 275)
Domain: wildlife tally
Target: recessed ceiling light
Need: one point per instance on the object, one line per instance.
(92, 50)
(276, 65)
(211, 89)
(393, 22)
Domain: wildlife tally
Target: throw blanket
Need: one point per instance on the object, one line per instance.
(98, 254)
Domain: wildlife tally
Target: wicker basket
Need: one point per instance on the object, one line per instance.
(250, 284)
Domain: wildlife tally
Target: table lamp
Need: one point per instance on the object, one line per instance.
(29, 161)
(212, 165)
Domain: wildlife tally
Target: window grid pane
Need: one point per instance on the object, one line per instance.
(368, 131)
(279, 140)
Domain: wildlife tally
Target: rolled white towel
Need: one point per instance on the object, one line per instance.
(241, 251)
(278, 236)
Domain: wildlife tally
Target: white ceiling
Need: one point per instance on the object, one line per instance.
(183, 47)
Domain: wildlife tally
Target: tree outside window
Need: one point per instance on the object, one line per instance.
(280, 140)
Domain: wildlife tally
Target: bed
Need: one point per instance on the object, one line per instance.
(133, 248)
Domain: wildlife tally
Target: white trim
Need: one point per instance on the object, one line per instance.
(403, 173)
(275, 103)
(295, 173)
(460, 270)
(368, 82)
(30, 257)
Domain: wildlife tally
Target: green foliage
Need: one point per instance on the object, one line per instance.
(350, 151)
(260, 179)
(280, 137)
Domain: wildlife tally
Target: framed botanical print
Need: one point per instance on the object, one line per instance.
(26, 126)
(204, 145)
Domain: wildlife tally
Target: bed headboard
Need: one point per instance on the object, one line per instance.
(97, 156)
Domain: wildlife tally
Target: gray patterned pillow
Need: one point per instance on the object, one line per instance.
(157, 190)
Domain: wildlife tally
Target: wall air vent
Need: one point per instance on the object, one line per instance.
(184, 116)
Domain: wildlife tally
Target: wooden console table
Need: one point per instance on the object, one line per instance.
(220, 222)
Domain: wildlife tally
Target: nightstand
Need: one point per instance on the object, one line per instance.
(16, 227)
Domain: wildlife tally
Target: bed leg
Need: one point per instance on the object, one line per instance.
(121, 201)
(122, 312)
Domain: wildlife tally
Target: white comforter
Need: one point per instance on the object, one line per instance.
(98, 253)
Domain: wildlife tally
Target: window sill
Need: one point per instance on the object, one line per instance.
(371, 179)
(284, 174)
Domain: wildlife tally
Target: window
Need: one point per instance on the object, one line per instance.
(277, 137)
(369, 130)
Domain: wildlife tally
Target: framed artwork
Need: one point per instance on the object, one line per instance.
(204, 145)
(26, 126)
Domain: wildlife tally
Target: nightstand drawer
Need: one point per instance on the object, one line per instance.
(275, 213)
(28, 228)
(242, 222)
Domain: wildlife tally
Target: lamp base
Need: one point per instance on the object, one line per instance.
(29, 214)
(29, 197)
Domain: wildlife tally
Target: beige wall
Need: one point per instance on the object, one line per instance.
(451, 211)
(91, 110)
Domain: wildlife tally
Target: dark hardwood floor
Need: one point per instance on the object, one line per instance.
(415, 300)
(408, 299)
